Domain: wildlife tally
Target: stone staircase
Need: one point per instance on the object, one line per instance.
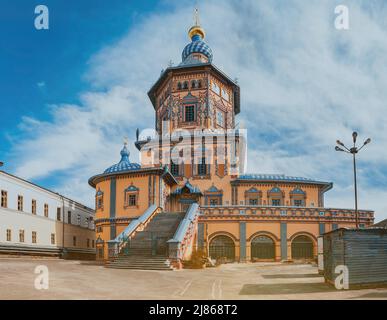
(148, 249)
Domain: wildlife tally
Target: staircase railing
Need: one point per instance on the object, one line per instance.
(139, 224)
(182, 242)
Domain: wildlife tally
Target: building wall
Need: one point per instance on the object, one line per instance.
(81, 226)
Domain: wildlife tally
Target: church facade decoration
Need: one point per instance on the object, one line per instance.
(241, 213)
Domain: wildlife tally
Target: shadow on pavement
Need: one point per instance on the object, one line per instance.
(285, 288)
(291, 276)
(374, 295)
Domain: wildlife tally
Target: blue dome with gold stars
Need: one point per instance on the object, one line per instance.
(124, 164)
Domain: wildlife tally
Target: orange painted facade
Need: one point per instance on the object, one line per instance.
(243, 216)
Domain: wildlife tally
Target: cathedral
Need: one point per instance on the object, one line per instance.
(190, 191)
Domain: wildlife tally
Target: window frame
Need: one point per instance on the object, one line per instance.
(4, 199)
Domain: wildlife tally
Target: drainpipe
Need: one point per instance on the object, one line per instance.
(63, 224)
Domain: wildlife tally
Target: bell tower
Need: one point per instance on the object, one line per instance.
(194, 96)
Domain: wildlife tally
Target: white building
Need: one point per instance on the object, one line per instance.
(31, 221)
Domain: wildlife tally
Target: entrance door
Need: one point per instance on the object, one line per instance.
(262, 248)
(302, 248)
(222, 247)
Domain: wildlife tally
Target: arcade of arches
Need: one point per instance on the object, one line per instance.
(261, 247)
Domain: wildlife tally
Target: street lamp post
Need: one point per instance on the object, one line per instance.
(354, 150)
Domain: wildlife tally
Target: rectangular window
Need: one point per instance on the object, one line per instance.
(99, 229)
(275, 202)
(220, 118)
(132, 200)
(9, 235)
(298, 203)
(4, 199)
(202, 168)
(20, 203)
(214, 202)
(21, 235)
(99, 202)
(189, 113)
(215, 88)
(46, 210)
(253, 202)
(58, 214)
(69, 217)
(174, 169)
(33, 207)
(33, 236)
(92, 243)
(225, 95)
(52, 238)
(79, 219)
(74, 241)
(88, 243)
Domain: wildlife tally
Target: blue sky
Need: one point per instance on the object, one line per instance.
(71, 93)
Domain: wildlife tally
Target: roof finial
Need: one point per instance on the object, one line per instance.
(196, 18)
(196, 32)
(125, 141)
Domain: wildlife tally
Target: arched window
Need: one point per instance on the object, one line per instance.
(185, 85)
(199, 83)
(99, 199)
(222, 247)
(179, 86)
(193, 84)
(262, 247)
(302, 247)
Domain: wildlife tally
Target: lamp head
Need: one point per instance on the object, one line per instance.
(367, 141)
(354, 136)
(339, 143)
(338, 149)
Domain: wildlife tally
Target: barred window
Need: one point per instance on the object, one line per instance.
(189, 113)
(202, 168)
(132, 200)
(46, 210)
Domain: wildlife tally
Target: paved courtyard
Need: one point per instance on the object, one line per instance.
(86, 280)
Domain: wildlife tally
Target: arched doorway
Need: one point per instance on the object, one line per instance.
(262, 248)
(302, 247)
(222, 247)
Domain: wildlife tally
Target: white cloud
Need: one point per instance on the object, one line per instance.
(304, 84)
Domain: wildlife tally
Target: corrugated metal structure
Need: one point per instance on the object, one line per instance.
(362, 251)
